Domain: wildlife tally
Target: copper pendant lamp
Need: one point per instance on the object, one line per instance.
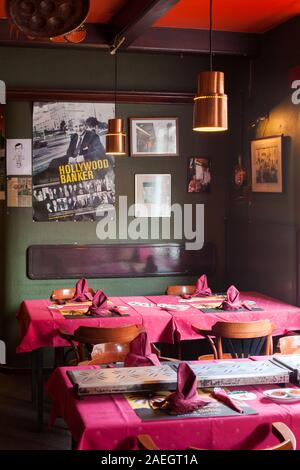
(115, 137)
(210, 104)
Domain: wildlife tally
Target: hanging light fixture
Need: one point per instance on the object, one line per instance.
(210, 104)
(115, 137)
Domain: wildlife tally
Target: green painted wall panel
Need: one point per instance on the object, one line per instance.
(68, 69)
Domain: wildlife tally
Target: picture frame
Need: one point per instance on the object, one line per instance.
(154, 137)
(266, 164)
(152, 195)
(18, 157)
(199, 175)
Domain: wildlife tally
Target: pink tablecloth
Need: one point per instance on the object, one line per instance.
(39, 325)
(108, 423)
(286, 317)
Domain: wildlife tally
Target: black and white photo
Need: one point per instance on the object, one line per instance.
(266, 161)
(154, 136)
(153, 195)
(73, 178)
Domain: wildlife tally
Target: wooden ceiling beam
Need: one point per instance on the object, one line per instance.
(135, 18)
(197, 41)
(154, 39)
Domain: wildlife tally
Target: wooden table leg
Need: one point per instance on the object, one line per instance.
(38, 385)
(33, 378)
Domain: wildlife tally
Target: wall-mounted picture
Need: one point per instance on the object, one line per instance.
(152, 195)
(153, 137)
(266, 163)
(19, 191)
(18, 157)
(73, 178)
(199, 175)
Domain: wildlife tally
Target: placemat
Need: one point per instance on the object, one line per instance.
(67, 317)
(218, 310)
(141, 406)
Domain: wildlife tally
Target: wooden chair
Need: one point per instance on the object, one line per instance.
(240, 339)
(289, 345)
(280, 430)
(115, 342)
(178, 290)
(66, 293)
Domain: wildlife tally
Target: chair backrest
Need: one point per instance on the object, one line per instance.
(280, 430)
(289, 345)
(178, 290)
(114, 341)
(66, 293)
(285, 435)
(244, 339)
(239, 339)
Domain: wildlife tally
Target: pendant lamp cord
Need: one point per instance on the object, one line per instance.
(116, 82)
(243, 99)
(210, 35)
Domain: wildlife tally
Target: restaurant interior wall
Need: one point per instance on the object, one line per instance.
(269, 267)
(34, 68)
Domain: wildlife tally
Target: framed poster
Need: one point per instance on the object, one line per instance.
(199, 175)
(152, 195)
(266, 164)
(18, 157)
(73, 178)
(153, 137)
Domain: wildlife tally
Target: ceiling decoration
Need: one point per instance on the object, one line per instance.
(47, 18)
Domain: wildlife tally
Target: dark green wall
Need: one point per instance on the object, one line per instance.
(271, 95)
(32, 68)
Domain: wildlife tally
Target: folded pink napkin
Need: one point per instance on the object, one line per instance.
(202, 289)
(222, 396)
(185, 399)
(82, 291)
(140, 353)
(232, 300)
(99, 304)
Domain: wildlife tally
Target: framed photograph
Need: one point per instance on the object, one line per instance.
(199, 175)
(152, 195)
(18, 157)
(266, 164)
(153, 137)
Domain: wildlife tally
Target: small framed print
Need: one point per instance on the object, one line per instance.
(152, 195)
(18, 157)
(153, 137)
(199, 175)
(266, 164)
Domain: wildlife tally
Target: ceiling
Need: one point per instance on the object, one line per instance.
(250, 16)
(151, 23)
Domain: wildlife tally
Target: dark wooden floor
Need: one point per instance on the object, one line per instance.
(18, 418)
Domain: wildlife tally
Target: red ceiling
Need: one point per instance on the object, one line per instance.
(255, 16)
(228, 15)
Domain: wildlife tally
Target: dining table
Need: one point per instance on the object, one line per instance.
(166, 318)
(109, 422)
